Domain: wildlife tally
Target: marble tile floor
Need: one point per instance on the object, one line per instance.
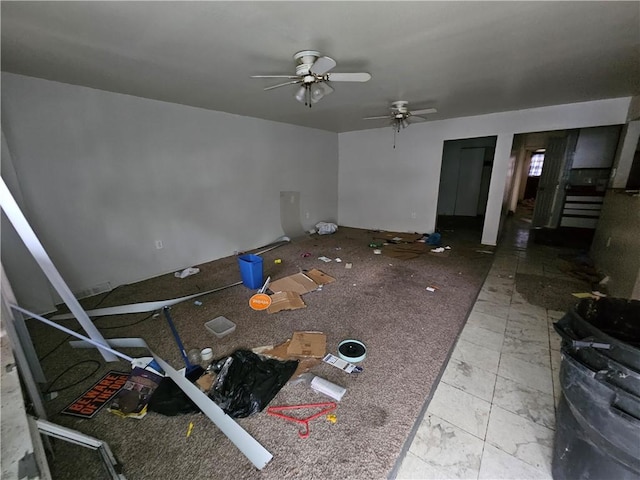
(492, 415)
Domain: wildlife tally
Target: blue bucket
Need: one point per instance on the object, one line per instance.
(251, 270)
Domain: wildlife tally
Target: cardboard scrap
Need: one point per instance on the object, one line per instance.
(285, 301)
(319, 277)
(308, 344)
(280, 352)
(584, 295)
(396, 237)
(287, 290)
(205, 382)
(400, 254)
(406, 251)
(301, 282)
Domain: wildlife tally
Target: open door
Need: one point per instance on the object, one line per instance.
(550, 195)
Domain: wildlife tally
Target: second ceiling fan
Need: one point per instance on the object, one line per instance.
(401, 117)
(313, 73)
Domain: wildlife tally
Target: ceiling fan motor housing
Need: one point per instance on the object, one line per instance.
(401, 106)
(305, 59)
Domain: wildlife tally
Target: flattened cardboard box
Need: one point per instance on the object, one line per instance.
(319, 277)
(308, 344)
(285, 301)
(301, 283)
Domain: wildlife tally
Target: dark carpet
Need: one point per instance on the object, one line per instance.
(381, 301)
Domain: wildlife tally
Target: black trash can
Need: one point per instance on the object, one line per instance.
(598, 418)
(577, 458)
(612, 324)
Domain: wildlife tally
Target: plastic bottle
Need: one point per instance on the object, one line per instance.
(194, 357)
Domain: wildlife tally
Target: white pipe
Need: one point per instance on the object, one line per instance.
(72, 333)
(142, 307)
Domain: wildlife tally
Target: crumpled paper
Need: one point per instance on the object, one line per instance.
(186, 272)
(325, 228)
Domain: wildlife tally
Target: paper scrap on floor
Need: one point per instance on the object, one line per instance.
(341, 364)
(584, 295)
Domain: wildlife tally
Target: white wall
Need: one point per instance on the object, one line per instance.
(380, 187)
(104, 176)
(38, 294)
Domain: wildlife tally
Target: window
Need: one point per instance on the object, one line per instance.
(535, 168)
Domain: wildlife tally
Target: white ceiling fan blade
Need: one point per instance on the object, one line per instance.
(283, 84)
(376, 118)
(322, 65)
(416, 119)
(274, 76)
(424, 111)
(349, 77)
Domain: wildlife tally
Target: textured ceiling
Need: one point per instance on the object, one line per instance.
(463, 58)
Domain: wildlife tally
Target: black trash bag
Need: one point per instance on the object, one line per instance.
(247, 382)
(169, 399)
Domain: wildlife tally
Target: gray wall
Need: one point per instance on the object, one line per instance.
(616, 244)
(104, 176)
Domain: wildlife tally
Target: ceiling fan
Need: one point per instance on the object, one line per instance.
(400, 115)
(312, 73)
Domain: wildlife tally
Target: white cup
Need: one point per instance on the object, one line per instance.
(206, 354)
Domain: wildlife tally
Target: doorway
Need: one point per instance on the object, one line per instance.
(563, 209)
(464, 183)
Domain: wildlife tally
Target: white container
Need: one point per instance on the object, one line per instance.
(330, 389)
(220, 326)
(206, 354)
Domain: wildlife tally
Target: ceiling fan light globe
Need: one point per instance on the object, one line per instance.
(300, 94)
(319, 90)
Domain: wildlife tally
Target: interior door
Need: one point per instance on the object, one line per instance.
(469, 181)
(550, 194)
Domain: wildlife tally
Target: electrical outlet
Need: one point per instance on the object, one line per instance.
(159, 245)
(413, 214)
(306, 215)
